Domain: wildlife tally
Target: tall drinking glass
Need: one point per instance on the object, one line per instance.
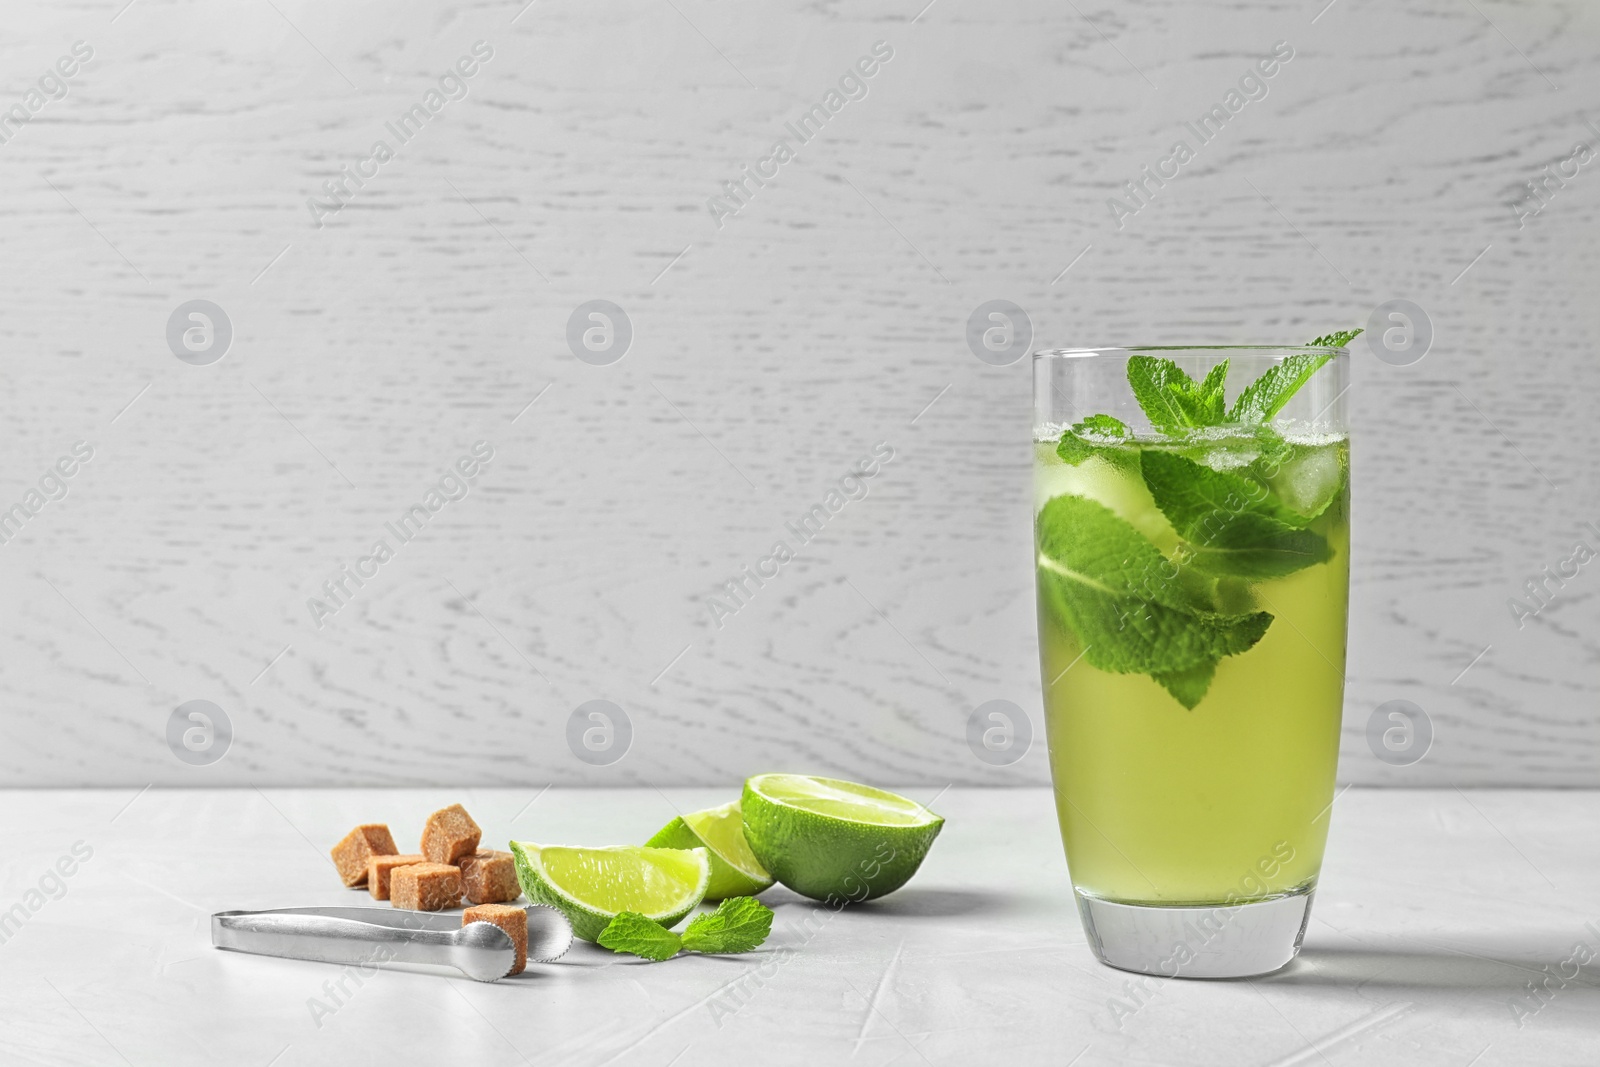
(1192, 536)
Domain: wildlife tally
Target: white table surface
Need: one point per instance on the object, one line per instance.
(1436, 910)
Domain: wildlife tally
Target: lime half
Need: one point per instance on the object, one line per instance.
(590, 885)
(829, 839)
(735, 871)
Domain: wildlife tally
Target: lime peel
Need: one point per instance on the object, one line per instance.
(735, 871)
(830, 840)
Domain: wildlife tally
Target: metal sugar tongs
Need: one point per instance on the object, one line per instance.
(379, 936)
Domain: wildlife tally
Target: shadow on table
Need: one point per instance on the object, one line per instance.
(908, 903)
(911, 903)
(1502, 963)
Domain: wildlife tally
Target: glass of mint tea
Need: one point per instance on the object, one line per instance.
(1192, 546)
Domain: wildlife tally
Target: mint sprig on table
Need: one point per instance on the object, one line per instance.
(1132, 608)
(740, 924)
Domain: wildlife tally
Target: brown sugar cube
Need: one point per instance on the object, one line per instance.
(425, 886)
(513, 921)
(350, 856)
(380, 868)
(490, 877)
(449, 835)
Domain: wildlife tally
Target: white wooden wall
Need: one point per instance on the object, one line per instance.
(769, 355)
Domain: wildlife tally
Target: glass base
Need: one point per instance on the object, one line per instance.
(1218, 941)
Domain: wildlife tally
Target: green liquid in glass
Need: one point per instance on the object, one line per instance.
(1227, 802)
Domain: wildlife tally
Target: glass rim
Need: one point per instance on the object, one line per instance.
(1134, 350)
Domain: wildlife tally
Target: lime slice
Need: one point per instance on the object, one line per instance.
(590, 885)
(735, 871)
(833, 840)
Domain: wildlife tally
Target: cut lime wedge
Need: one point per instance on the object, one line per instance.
(735, 871)
(835, 840)
(591, 885)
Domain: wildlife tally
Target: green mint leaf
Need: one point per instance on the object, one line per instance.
(1150, 378)
(1234, 523)
(1265, 397)
(1335, 340)
(1188, 687)
(642, 936)
(1173, 401)
(1094, 436)
(1211, 392)
(1126, 603)
(1191, 494)
(1255, 547)
(739, 924)
(1104, 426)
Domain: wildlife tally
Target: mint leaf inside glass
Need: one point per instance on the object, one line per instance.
(1233, 524)
(1173, 401)
(1238, 495)
(1125, 601)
